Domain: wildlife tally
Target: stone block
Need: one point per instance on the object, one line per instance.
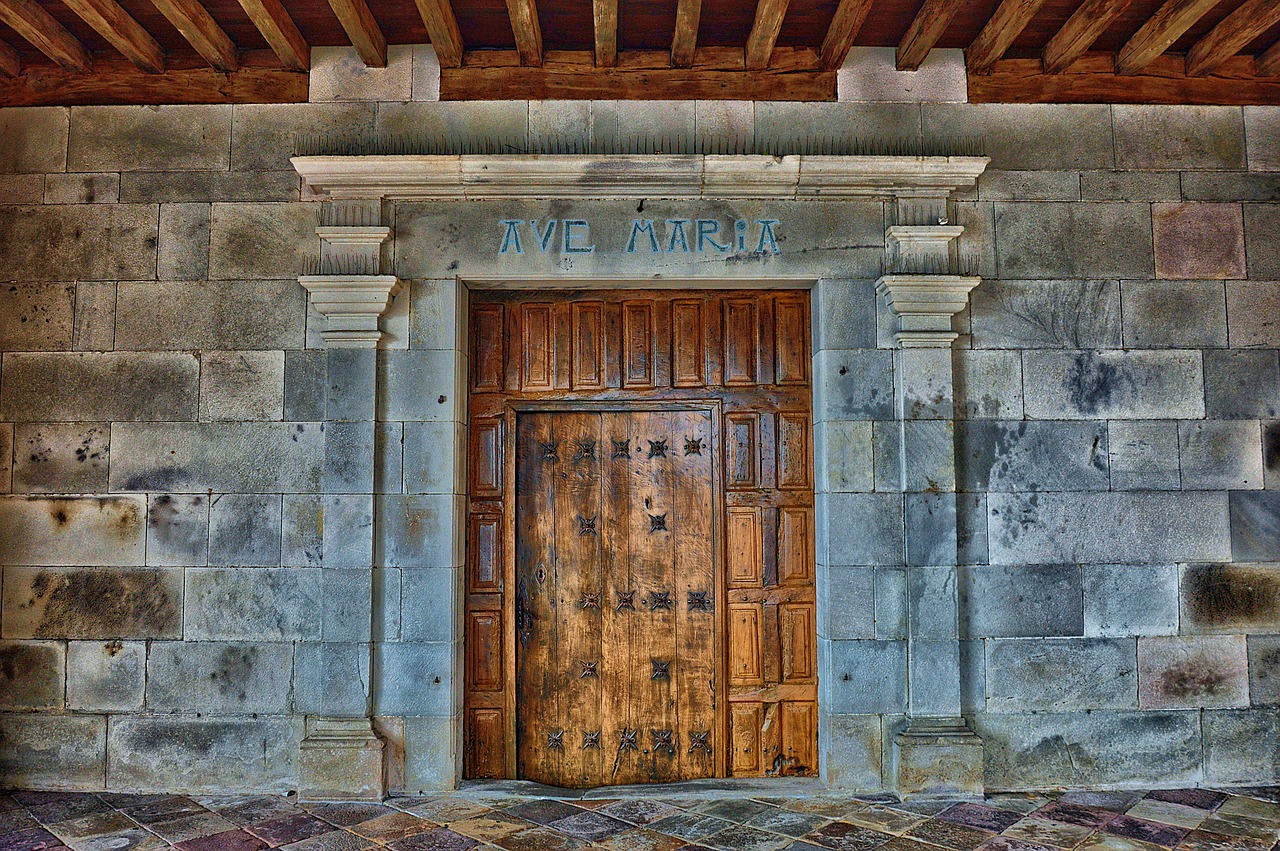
(891, 603)
(1107, 528)
(106, 676)
(241, 385)
(60, 457)
(1021, 455)
(417, 678)
(244, 530)
(219, 457)
(996, 185)
(1106, 239)
(1042, 750)
(1046, 315)
(852, 384)
(264, 133)
(32, 675)
(426, 73)
(1179, 137)
(1262, 132)
(1130, 186)
(44, 243)
(886, 451)
(53, 751)
(842, 455)
(177, 529)
(388, 472)
(331, 678)
(33, 139)
(350, 382)
(432, 758)
(150, 187)
(6, 457)
(1061, 674)
(866, 528)
(150, 138)
(851, 751)
(929, 448)
(548, 119)
(973, 676)
(346, 599)
(434, 457)
(341, 759)
(102, 188)
(1028, 136)
(72, 530)
(431, 603)
(866, 677)
(1253, 313)
(1198, 240)
(1020, 602)
(1241, 384)
(458, 122)
(304, 385)
(1230, 186)
(1230, 599)
(1122, 600)
(1255, 525)
(1220, 455)
(219, 678)
(844, 314)
(870, 75)
(978, 218)
(988, 384)
(347, 537)
(208, 755)
(183, 243)
(95, 317)
(923, 379)
(1264, 670)
(349, 457)
(421, 530)
(252, 604)
(848, 607)
(423, 385)
(386, 596)
(256, 240)
(930, 528)
(99, 386)
(1239, 746)
(339, 74)
(971, 528)
(716, 118)
(935, 760)
(1188, 672)
(616, 122)
(1137, 384)
(437, 313)
(1260, 224)
(22, 188)
(932, 597)
(302, 530)
(1174, 314)
(92, 603)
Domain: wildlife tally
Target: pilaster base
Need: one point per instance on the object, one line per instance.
(938, 758)
(340, 759)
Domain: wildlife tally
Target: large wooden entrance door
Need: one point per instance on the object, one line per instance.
(615, 597)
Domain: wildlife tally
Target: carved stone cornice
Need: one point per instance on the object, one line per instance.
(924, 306)
(352, 305)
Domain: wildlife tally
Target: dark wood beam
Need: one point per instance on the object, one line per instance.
(1160, 31)
(1232, 35)
(1269, 62)
(201, 31)
(605, 15)
(278, 28)
(122, 32)
(10, 63)
(925, 30)
(685, 40)
(1007, 23)
(843, 30)
(528, 32)
(442, 26)
(29, 20)
(362, 31)
(1079, 33)
(764, 33)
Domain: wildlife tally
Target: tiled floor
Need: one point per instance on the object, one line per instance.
(488, 818)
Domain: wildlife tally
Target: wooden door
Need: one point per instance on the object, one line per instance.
(615, 597)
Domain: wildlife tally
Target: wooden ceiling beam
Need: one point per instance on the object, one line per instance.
(280, 32)
(926, 28)
(840, 36)
(442, 26)
(1269, 62)
(362, 31)
(201, 31)
(1007, 23)
(685, 41)
(764, 33)
(605, 15)
(10, 63)
(1159, 33)
(29, 20)
(122, 32)
(527, 30)
(1079, 33)
(1232, 35)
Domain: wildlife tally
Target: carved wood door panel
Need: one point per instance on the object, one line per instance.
(615, 627)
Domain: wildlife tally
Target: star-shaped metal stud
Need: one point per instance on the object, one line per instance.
(550, 451)
(661, 670)
(555, 740)
(586, 449)
(659, 600)
(587, 525)
(693, 446)
(589, 601)
(588, 670)
(658, 449)
(700, 741)
(699, 601)
(621, 449)
(661, 739)
(590, 740)
(628, 740)
(626, 601)
(658, 522)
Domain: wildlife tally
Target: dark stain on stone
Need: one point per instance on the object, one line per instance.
(113, 648)
(1271, 446)
(60, 517)
(159, 479)
(1091, 382)
(1219, 596)
(102, 603)
(9, 660)
(1191, 680)
(234, 669)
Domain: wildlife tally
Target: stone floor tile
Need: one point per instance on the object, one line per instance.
(543, 811)
(33, 839)
(843, 836)
(1076, 814)
(641, 839)
(949, 835)
(588, 825)
(1056, 834)
(445, 810)
(922, 808)
(787, 822)
(1115, 801)
(736, 810)
(162, 809)
(392, 826)
(829, 807)
(535, 839)
(1109, 842)
(980, 816)
(885, 819)
(291, 828)
(190, 826)
(1204, 799)
(33, 799)
(68, 808)
(1236, 806)
(345, 815)
(16, 820)
(1165, 812)
(88, 826)
(801, 845)
(1240, 826)
(125, 800)
(255, 810)
(440, 839)
(690, 826)
(489, 827)
(1148, 831)
(335, 840)
(134, 839)
(1262, 793)
(739, 837)
(1200, 840)
(8, 803)
(639, 811)
(231, 840)
(1018, 802)
(1008, 843)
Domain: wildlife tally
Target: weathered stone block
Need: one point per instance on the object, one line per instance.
(43, 243)
(183, 249)
(866, 528)
(105, 676)
(996, 185)
(89, 603)
(423, 385)
(432, 760)
(53, 751)
(349, 457)
(203, 754)
(95, 317)
(417, 678)
(853, 384)
(70, 530)
(1181, 137)
(1016, 602)
(1253, 313)
(938, 760)
(149, 138)
(1122, 600)
(221, 457)
(33, 139)
(1040, 750)
(1108, 240)
(931, 529)
(891, 603)
(6, 457)
(98, 386)
(852, 751)
(434, 457)
(1107, 528)
(1262, 131)
(973, 676)
(924, 379)
(234, 315)
(32, 675)
(971, 528)
(244, 530)
(426, 73)
(457, 122)
(886, 452)
(848, 606)
(331, 679)
(219, 677)
(1173, 314)
(103, 188)
(35, 317)
(618, 121)
(1255, 525)
(241, 385)
(1239, 746)
(61, 457)
(150, 187)
(1260, 223)
(302, 530)
(1186, 672)
(304, 385)
(1230, 598)
(1114, 385)
(341, 759)
(867, 677)
(420, 530)
(431, 604)
(339, 74)
(1198, 240)
(1264, 670)
(1230, 186)
(988, 384)
(386, 595)
(844, 314)
(257, 240)
(346, 596)
(252, 604)
(1241, 384)
(22, 188)
(978, 218)
(1130, 186)
(264, 133)
(1046, 315)
(347, 536)
(842, 455)
(437, 314)
(177, 529)
(1220, 455)
(1028, 136)
(1061, 674)
(1004, 455)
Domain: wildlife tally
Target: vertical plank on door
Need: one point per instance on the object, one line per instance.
(637, 344)
(798, 629)
(487, 348)
(744, 547)
(800, 737)
(588, 345)
(791, 340)
(742, 450)
(795, 546)
(619, 603)
(744, 723)
(484, 651)
(746, 665)
(486, 735)
(537, 349)
(486, 457)
(794, 453)
(741, 331)
(484, 553)
(688, 353)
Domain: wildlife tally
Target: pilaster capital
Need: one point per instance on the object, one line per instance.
(352, 306)
(924, 306)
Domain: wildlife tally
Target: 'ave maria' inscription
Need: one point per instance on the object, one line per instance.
(645, 236)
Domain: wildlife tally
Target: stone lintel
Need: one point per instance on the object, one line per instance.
(938, 758)
(352, 305)
(924, 306)
(340, 759)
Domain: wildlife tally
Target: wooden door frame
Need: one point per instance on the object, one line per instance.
(712, 407)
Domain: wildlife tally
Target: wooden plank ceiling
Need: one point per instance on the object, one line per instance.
(176, 51)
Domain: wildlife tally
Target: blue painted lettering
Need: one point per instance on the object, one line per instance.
(544, 239)
(568, 228)
(708, 228)
(639, 226)
(677, 230)
(511, 239)
(767, 236)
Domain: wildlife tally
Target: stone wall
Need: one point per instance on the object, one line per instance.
(162, 453)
